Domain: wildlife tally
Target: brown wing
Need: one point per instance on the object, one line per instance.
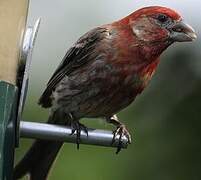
(77, 56)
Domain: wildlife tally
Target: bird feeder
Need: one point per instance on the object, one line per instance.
(13, 16)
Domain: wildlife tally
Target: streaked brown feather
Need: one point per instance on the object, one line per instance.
(76, 56)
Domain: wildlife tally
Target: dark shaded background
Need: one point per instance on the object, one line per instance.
(164, 121)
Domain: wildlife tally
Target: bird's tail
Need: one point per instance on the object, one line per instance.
(40, 157)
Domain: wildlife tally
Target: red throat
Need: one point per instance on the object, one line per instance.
(150, 69)
(147, 73)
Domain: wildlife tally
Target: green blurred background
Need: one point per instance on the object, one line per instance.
(164, 121)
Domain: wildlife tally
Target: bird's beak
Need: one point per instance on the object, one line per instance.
(182, 32)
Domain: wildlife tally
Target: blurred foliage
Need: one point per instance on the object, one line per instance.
(165, 125)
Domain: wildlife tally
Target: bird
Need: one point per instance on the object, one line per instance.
(101, 74)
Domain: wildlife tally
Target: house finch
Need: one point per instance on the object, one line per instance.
(101, 74)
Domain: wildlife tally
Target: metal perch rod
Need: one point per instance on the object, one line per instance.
(63, 133)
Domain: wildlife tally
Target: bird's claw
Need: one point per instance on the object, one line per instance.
(78, 127)
(121, 131)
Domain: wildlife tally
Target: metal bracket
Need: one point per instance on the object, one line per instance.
(26, 57)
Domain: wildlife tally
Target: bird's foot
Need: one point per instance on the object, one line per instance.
(121, 131)
(77, 127)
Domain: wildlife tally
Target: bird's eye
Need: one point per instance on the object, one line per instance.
(162, 18)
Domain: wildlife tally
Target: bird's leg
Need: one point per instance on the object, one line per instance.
(77, 127)
(121, 130)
